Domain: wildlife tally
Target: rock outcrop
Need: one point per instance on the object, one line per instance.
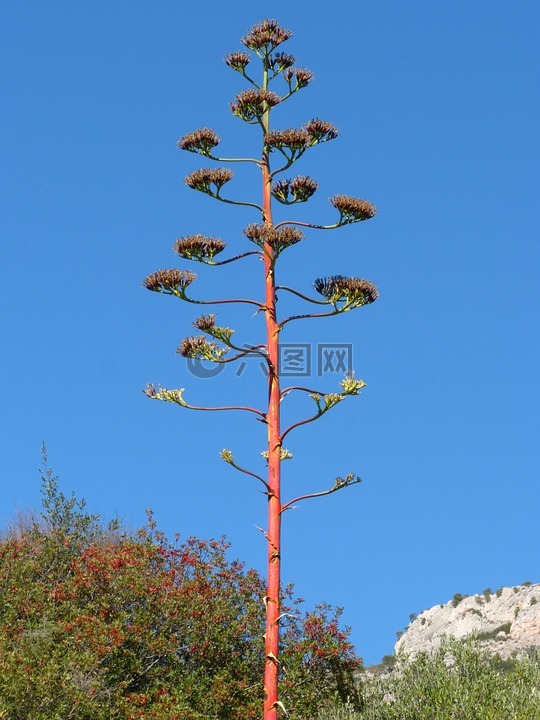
(506, 622)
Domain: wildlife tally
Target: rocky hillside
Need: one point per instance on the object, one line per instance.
(506, 621)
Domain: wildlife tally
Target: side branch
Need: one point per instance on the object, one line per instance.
(309, 315)
(301, 295)
(309, 225)
(228, 160)
(176, 397)
(227, 456)
(350, 479)
(183, 296)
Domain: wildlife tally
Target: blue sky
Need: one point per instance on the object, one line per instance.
(438, 112)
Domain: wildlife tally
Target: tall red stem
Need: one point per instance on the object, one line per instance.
(272, 601)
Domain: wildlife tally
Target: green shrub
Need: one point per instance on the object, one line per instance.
(457, 682)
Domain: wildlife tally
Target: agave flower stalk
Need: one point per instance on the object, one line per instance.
(337, 293)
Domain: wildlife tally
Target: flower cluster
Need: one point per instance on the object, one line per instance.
(238, 60)
(302, 76)
(203, 179)
(174, 396)
(207, 323)
(300, 189)
(320, 131)
(198, 247)
(281, 61)
(198, 347)
(355, 292)
(170, 282)
(199, 141)
(265, 36)
(349, 479)
(250, 105)
(326, 401)
(284, 454)
(293, 139)
(278, 239)
(352, 210)
(298, 140)
(227, 455)
(352, 386)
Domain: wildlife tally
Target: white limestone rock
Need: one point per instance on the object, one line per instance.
(506, 622)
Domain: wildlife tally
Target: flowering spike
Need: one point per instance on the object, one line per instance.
(353, 210)
(199, 141)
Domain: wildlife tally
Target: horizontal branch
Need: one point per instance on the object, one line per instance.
(177, 397)
(308, 315)
(289, 389)
(229, 160)
(340, 484)
(261, 306)
(309, 225)
(237, 202)
(224, 407)
(301, 295)
(236, 257)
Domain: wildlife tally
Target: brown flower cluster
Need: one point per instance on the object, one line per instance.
(294, 139)
(199, 141)
(199, 347)
(278, 239)
(353, 209)
(238, 60)
(297, 140)
(281, 61)
(250, 105)
(320, 131)
(198, 247)
(302, 76)
(355, 292)
(203, 179)
(265, 36)
(300, 189)
(171, 282)
(205, 322)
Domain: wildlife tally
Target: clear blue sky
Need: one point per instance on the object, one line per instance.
(438, 108)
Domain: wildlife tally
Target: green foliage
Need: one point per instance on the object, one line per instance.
(492, 634)
(457, 682)
(101, 624)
